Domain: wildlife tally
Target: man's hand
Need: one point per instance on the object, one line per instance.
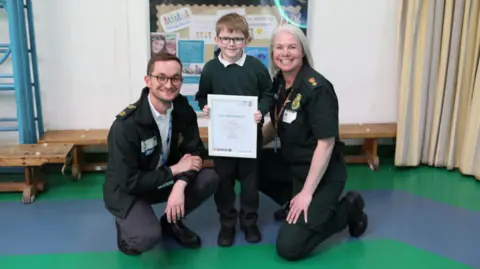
(257, 116)
(175, 209)
(206, 110)
(187, 163)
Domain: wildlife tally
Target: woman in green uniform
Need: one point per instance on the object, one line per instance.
(305, 121)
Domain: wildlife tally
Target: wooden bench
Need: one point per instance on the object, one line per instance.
(204, 134)
(80, 140)
(84, 138)
(31, 158)
(371, 133)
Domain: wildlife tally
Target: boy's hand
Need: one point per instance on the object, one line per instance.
(206, 110)
(257, 116)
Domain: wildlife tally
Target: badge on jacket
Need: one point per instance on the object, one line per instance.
(180, 139)
(148, 145)
(296, 102)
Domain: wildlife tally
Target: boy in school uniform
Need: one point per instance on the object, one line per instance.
(235, 73)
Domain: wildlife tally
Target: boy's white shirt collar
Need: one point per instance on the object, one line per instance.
(240, 61)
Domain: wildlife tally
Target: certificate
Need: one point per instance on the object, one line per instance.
(232, 130)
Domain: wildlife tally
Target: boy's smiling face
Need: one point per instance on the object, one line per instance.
(231, 44)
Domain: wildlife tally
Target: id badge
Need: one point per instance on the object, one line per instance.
(289, 116)
(149, 144)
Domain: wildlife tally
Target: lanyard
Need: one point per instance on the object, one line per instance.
(277, 118)
(164, 157)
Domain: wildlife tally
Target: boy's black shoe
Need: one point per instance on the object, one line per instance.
(226, 236)
(252, 234)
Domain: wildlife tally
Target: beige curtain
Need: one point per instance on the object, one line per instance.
(439, 84)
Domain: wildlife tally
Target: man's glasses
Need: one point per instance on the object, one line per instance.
(176, 80)
(236, 40)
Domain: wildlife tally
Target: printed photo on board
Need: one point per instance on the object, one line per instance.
(192, 55)
(294, 12)
(292, 15)
(163, 42)
(261, 53)
(194, 69)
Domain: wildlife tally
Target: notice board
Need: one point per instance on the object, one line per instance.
(187, 29)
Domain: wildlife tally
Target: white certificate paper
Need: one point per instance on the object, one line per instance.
(232, 129)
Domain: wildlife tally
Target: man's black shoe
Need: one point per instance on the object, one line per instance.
(226, 236)
(180, 233)
(122, 244)
(357, 218)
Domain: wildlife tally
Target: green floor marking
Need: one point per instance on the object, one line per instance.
(368, 254)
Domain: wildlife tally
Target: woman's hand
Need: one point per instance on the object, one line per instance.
(299, 204)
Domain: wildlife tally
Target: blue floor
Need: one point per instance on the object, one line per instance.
(85, 225)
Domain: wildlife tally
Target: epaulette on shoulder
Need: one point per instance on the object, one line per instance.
(313, 82)
(127, 111)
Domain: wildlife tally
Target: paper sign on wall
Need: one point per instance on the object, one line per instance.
(192, 55)
(261, 26)
(203, 28)
(176, 20)
(261, 53)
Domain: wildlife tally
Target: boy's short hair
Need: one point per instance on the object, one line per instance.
(233, 22)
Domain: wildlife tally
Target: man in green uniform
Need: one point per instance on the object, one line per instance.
(155, 155)
(305, 120)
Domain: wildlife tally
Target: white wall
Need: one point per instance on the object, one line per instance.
(354, 46)
(100, 61)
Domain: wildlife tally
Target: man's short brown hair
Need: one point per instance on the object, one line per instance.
(162, 57)
(233, 22)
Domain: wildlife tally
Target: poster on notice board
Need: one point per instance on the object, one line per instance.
(186, 28)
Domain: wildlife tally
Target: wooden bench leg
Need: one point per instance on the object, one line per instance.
(77, 162)
(94, 167)
(370, 149)
(369, 154)
(33, 184)
(79, 165)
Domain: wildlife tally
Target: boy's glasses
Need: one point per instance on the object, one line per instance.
(236, 40)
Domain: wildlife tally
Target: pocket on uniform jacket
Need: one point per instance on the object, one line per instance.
(297, 131)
